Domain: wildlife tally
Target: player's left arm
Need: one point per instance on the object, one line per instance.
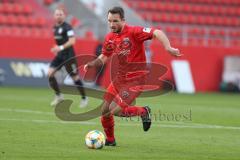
(71, 41)
(161, 36)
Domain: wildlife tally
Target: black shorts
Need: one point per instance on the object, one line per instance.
(68, 61)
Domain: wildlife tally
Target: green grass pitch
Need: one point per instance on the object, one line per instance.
(200, 126)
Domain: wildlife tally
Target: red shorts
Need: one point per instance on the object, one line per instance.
(122, 93)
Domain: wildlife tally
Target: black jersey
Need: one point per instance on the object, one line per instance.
(61, 34)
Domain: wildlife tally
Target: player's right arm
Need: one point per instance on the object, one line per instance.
(98, 62)
(161, 36)
(107, 50)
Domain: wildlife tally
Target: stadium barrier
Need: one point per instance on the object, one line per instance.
(206, 63)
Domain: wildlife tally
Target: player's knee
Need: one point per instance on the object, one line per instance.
(51, 72)
(75, 78)
(115, 109)
(51, 79)
(105, 109)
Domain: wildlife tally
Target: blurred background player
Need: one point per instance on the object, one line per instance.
(125, 42)
(64, 56)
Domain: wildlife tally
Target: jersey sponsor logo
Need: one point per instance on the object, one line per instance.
(147, 30)
(58, 37)
(125, 44)
(60, 30)
(124, 53)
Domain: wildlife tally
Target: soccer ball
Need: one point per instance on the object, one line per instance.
(95, 139)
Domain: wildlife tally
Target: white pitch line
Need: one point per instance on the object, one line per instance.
(25, 111)
(122, 124)
(46, 121)
(172, 125)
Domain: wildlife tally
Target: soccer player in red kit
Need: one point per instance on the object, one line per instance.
(126, 43)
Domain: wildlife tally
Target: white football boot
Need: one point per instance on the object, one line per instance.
(57, 99)
(84, 103)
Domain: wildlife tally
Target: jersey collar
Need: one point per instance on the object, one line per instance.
(125, 28)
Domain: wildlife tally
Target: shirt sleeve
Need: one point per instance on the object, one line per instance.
(69, 31)
(143, 34)
(108, 47)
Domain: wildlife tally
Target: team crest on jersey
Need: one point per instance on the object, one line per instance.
(110, 46)
(60, 30)
(147, 30)
(125, 94)
(125, 44)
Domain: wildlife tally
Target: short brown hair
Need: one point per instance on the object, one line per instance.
(61, 8)
(117, 10)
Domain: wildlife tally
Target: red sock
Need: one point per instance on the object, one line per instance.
(132, 111)
(108, 126)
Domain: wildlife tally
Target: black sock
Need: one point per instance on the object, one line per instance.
(80, 88)
(54, 85)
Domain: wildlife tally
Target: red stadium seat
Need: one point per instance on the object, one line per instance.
(35, 21)
(174, 30)
(195, 41)
(89, 35)
(141, 5)
(173, 18)
(151, 5)
(219, 21)
(35, 32)
(221, 33)
(236, 22)
(12, 20)
(196, 31)
(163, 17)
(48, 2)
(8, 8)
(75, 22)
(26, 31)
(202, 20)
(130, 3)
(3, 20)
(192, 19)
(16, 31)
(5, 31)
(216, 42)
(175, 40)
(1, 8)
(31, 21)
(187, 8)
(196, 9)
(152, 17)
(234, 33)
(235, 43)
(18, 9)
(214, 32)
(27, 9)
(46, 33)
(40, 22)
(160, 6)
(22, 20)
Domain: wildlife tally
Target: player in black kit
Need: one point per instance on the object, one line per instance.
(64, 52)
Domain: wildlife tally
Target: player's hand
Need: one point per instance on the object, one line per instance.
(174, 51)
(55, 49)
(85, 68)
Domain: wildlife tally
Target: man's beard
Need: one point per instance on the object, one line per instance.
(116, 30)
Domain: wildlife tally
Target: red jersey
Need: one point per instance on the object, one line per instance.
(127, 45)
